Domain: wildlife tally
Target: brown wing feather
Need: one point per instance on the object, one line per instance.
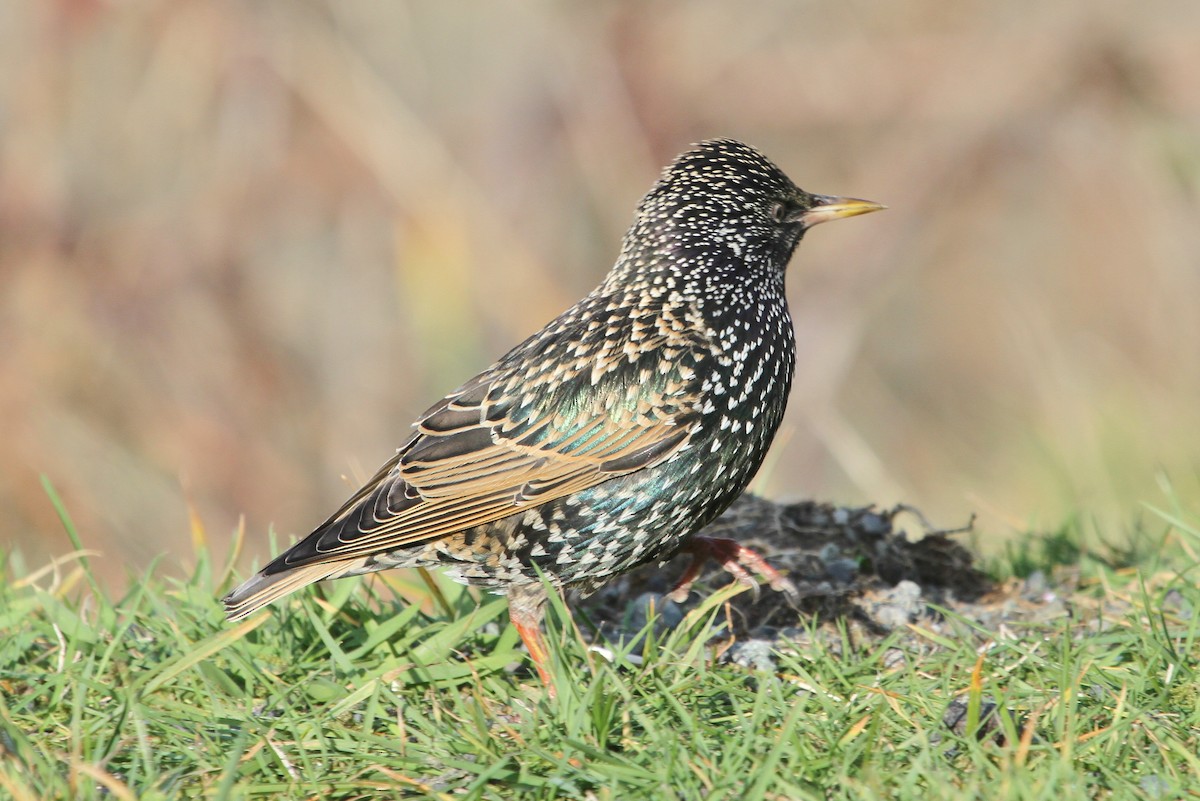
(473, 461)
(503, 478)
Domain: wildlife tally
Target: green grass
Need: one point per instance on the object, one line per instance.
(350, 692)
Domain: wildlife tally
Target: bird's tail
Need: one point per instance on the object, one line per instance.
(263, 588)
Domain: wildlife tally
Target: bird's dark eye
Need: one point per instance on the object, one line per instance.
(780, 211)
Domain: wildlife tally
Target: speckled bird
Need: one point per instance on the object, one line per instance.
(610, 437)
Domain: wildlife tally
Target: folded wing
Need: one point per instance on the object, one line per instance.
(501, 443)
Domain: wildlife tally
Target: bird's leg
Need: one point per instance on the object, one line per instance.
(526, 605)
(742, 562)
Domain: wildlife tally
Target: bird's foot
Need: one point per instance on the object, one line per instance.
(526, 607)
(532, 637)
(741, 562)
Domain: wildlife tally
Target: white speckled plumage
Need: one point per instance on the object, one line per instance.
(612, 435)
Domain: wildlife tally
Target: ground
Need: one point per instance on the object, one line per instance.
(906, 671)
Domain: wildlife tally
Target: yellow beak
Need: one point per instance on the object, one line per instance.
(835, 208)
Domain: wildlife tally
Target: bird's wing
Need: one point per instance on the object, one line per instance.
(515, 439)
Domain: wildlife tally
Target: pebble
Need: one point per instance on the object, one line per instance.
(754, 654)
(899, 606)
(1174, 601)
(667, 614)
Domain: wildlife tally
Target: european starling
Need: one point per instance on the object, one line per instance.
(611, 436)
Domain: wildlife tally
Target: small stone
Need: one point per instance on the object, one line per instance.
(830, 552)
(842, 571)
(1037, 588)
(955, 719)
(667, 614)
(1174, 601)
(874, 524)
(894, 658)
(757, 655)
(899, 606)
(1155, 786)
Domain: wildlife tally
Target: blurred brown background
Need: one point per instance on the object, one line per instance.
(242, 244)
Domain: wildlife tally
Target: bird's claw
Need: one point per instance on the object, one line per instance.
(739, 561)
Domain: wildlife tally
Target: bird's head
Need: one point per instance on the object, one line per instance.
(724, 206)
